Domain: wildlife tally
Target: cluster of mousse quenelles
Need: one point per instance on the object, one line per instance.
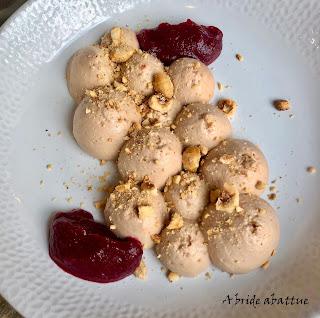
(188, 189)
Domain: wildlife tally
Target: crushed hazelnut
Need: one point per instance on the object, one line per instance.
(191, 158)
(156, 238)
(145, 211)
(176, 222)
(102, 162)
(100, 204)
(228, 106)
(239, 57)
(172, 277)
(204, 150)
(176, 179)
(228, 199)
(112, 227)
(227, 159)
(141, 271)
(160, 103)
(123, 187)
(162, 84)
(272, 196)
(260, 185)
(121, 53)
(281, 104)
(311, 170)
(220, 86)
(49, 167)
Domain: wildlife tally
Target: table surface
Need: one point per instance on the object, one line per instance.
(7, 7)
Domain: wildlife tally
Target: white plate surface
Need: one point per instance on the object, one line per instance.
(280, 42)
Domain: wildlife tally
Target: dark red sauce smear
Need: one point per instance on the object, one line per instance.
(188, 39)
(88, 250)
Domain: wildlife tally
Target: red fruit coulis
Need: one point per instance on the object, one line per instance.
(188, 39)
(89, 250)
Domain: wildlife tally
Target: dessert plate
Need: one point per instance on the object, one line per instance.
(43, 170)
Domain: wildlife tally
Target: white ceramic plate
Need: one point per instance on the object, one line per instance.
(280, 42)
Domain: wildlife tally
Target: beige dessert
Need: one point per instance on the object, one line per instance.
(155, 153)
(236, 162)
(186, 194)
(193, 82)
(136, 211)
(88, 68)
(138, 72)
(102, 120)
(242, 240)
(202, 124)
(182, 250)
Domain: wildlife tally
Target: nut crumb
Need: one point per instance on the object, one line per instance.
(272, 196)
(176, 179)
(102, 162)
(156, 238)
(176, 222)
(226, 199)
(204, 150)
(265, 265)
(112, 227)
(100, 204)
(311, 169)
(49, 166)
(260, 185)
(281, 104)
(162, 84)
(145, 211)
(220, 86)
(172, 277)
(69, 199)
(273, 253)
(228, 106)
(141, 271)
(191, 158)
(239, 57)
(208, 275)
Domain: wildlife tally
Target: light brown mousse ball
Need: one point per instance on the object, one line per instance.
(187, 194)
(88, 68)
(202, 124)
(138, 72)
(240, 242)
(102, 121)
(236, 162)
(193, 82)
(155, 153)
(183, 251)
(136, 212)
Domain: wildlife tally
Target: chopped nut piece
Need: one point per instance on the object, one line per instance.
(220, 86)
(172, 277)
(141, 271)
(122, 53)
(49, 167)
(146, 185)
(88, 110)
(227, 159)
(127, 150)
(265, 265)
(162, 84)
(208, 275)
(112, 227)
(176, 179)
(228, 199)
(260, 185)
(176, 222)
(311, 170)
(272, 196)
(159, 103)
(145, 211)
(273, 188)
(116, 36)
(204, 150)
(239, 57)
(102, 162)
(123, 187)
(191, 158)
(281, 104)
(89, 187)
(100, 204)
(156, 238)
(228, 106)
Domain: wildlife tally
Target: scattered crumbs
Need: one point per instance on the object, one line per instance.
(265, 265)
(311, 169)
(141, 271)
(49, 166)
(81, 205)
(89, 187)
(41, 182)
(156, 238)
(281, 104)
(172, 277)
(272, 196)
(291, 115)
(102, 162)
(208, 275)
(100, 204)
(239, 57)
(112, 227)
(69, 199)
(220, 86)
(53, 199)
(66, 185)
(231, 275)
